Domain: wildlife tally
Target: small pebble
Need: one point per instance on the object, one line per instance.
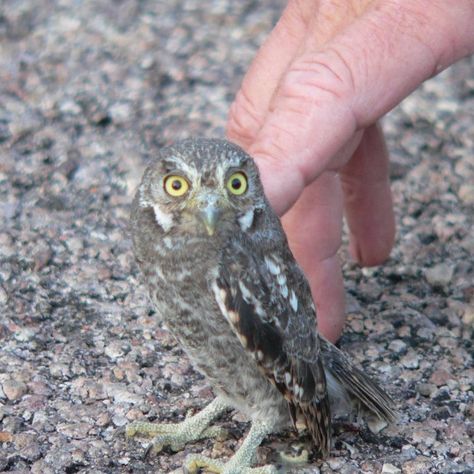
(13, 389)
(440, 377)
(411, 360)
(466, 194)
(376, 425)
(440, 275)
(425, 389)
(397, 346)
(388, 468)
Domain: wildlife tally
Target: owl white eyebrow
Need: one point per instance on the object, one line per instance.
(220, 175)
(164, 220)
(183, 168)
(246, 220)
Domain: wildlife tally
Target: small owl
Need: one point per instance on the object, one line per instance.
(224, 282)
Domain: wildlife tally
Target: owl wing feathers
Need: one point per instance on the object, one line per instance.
(372, 398)
(277, 327)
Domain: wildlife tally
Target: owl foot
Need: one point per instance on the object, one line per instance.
(298, 456)
(177, 435)
(196, 463)
(241, 461)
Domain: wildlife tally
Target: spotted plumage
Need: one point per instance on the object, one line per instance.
(223, 280)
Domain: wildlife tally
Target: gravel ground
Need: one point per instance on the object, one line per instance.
(88, 91)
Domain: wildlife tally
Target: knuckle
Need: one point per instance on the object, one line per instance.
(320, 76)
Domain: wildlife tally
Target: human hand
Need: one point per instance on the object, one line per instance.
(307, 112)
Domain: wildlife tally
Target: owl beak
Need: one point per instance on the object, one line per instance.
(209, 216)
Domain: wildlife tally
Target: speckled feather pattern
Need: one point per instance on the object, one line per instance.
(236, 301)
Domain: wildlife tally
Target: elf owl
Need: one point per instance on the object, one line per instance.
(224, 282)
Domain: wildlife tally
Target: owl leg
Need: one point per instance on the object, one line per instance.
(176, 435)
(241, 461)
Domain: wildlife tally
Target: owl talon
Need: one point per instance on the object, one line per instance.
(177, 435)
(239, 463)
(153, 449)
(301, 457)
(196, 463)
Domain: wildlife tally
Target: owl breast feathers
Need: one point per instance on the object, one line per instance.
(223, 279)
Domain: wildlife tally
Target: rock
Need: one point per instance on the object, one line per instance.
(416, 466)
(425, 389)
(388, 468)
(70, 107)
(5, 437)
(411, 360)
(440, 275)
(120, 420)
(24, 334)
(440, 377)
(103, 419)
(74, 430)
(468, 316)
(41, 467)
(115, 349)
(24, 124)
(468, 243)
(397, 346)
(426, 436)
(466, 194)
(451, 467)
(42, 256)
(14, 389)
(120, 394)
(121, 113)
(408, 451)
(28, 446)
(335, 463)
(3, 296)
(376, 425)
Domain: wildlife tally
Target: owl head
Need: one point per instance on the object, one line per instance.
(202, 187)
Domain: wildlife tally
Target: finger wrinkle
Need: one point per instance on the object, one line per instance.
(346, 75)
(310, 75)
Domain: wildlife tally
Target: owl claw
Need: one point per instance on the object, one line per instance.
(153, 449)
(174, 436)
(300, 457)
(177, 435)
(195, 463)
(240, 462)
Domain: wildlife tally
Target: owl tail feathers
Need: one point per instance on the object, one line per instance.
(349, 386)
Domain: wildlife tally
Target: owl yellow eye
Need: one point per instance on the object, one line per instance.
(175, 185)
(237, 183)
